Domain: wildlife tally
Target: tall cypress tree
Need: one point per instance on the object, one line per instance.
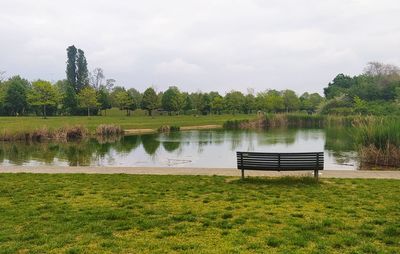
(82, 77)
(71, 65)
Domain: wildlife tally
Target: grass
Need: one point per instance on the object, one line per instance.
(21, 124)
(379, 141)
(148, 214)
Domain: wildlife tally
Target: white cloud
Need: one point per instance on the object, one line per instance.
(178, 66)
(208, 45)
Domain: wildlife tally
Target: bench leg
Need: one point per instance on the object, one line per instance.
(316, 174)
(242, 174)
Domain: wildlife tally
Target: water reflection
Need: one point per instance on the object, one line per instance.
(192, 148)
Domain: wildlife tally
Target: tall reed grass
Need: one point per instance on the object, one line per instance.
(290, 120)
(65, 133)
(379, 141)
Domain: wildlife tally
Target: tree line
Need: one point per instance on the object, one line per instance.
(376, 91)
(84, 92)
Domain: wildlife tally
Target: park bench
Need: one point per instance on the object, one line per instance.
(280, 161)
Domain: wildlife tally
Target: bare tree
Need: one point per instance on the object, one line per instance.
(381, 69)
(110, 83)
(97, 78)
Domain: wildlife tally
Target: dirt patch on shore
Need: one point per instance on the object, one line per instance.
(201, 127)
(138, 131)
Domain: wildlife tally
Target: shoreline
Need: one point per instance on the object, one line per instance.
(183, 128)
(195, 171)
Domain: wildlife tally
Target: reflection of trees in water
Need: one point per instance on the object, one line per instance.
(236, 139)
(81, 153)
(277, 136)
(127, 144)
(173, 141)
(339, 142)
(150, 143)
(339, 139)
(19, 153)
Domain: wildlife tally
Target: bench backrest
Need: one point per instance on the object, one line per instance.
(280, 161)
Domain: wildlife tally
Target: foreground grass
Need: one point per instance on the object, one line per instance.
(189, 214)
(21, 124)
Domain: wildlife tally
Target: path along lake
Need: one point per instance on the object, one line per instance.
(206, 148)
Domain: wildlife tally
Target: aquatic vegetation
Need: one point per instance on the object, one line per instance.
(379, 141)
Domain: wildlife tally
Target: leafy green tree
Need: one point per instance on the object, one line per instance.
(310, 102)
(150, 100)
(82, 75)
(270, 101)
(43, 94)
(217, 104)
(249, 103)
(172, 100)
(87, 98)
(136, 96)
(234, 101)
(290, 100)
(72, 52)
(124, 101)
(15, 95)
(104, 99)
(340, 85)
(187, 102)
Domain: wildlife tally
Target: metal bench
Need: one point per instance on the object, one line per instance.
(280, 161)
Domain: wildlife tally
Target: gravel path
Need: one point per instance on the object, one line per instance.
(195, 171)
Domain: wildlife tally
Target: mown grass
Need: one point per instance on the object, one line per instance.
(24, 124)
(194, 214)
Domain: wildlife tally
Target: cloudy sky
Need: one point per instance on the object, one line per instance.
(200, 44)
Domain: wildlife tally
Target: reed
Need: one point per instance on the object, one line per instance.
(108, 130)
(290, 120)
(379, 141)
(66, 133)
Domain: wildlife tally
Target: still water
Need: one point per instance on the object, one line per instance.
(214, 148)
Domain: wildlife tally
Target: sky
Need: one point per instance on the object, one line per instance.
(217, 45)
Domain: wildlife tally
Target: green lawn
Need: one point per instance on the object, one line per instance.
(16, 124)
(189, 214)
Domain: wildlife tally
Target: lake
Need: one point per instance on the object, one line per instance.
(211, 148)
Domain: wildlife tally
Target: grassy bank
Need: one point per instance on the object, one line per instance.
(20, 126)
(146, 214)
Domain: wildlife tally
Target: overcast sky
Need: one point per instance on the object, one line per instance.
(201, 45)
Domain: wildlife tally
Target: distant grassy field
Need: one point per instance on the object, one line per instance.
(193, 214)
(15, 124)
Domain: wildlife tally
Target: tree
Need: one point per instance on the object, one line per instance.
(15, 95)
(43, 94)
(172, 100)
(249, 103)
(82, 76)
(77, 72)
(69, 100)
(270, 101)
(150, 100)
(71, 65)
(136, 96)
(290, 100)
(96, 78)
(340, 84)
(87, 98)
(217, 104)
(124, 101)
(104, 99)
(234, 101)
